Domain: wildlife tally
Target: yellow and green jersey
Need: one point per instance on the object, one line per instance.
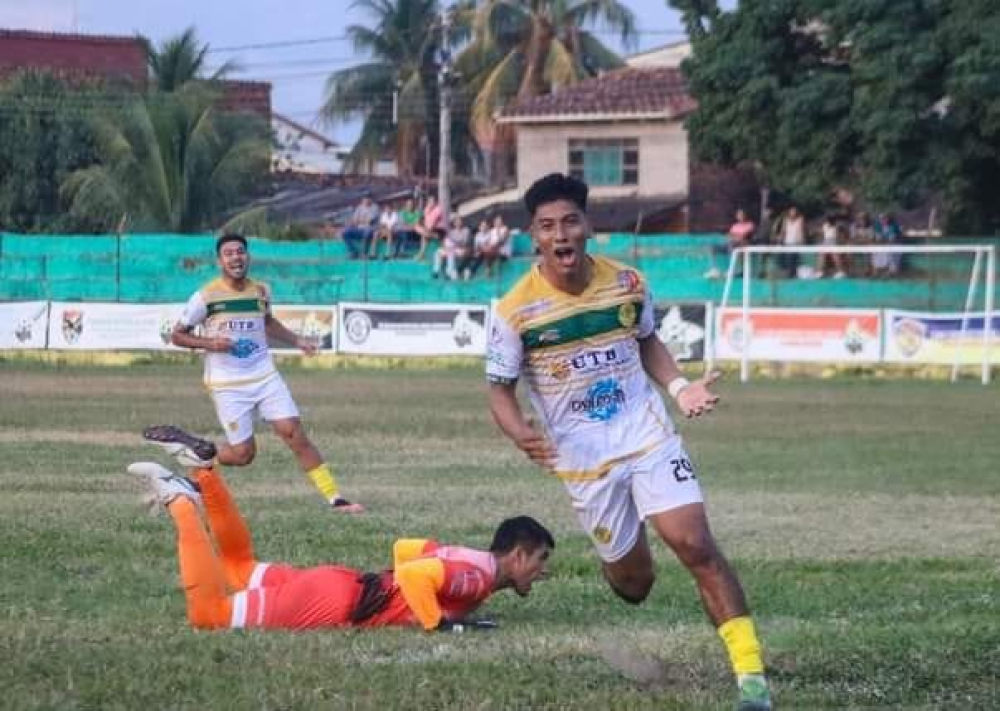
(240, 316)
(579, 355)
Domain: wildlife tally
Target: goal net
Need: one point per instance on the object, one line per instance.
(929, 304)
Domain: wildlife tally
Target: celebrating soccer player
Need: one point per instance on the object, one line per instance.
(581, 331)
(431, 585)
(235, 312)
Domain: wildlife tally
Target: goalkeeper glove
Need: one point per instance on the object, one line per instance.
(466, 625)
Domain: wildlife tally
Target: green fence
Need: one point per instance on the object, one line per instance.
(149, 268)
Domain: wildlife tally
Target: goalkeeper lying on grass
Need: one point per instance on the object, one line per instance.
(430, 585)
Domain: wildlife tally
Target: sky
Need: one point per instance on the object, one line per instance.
(235, 30)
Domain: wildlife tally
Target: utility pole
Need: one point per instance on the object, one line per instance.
(444, 110)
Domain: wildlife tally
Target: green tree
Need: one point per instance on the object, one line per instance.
(525, 48)
(44, 137)
(168, 162)
(395, 93)
(181, 59)
(896, 101)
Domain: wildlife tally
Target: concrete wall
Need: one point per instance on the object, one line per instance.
(663, 154)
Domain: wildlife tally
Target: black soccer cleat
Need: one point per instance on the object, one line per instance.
(188, 450)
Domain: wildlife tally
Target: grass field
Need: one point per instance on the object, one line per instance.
(862, 515)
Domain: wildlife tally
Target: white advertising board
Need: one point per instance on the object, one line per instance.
(403, 329)
(831, 335)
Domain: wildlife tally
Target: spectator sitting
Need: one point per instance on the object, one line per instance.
(455, 250)
(830, 236)
(361, 227)
(887, 232)
(431, 226)
(496, 246)
(387, 223)
(406, 227)
(739, 236)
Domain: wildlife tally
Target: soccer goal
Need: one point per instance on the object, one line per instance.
(958, 335)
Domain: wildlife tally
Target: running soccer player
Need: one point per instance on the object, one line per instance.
(431, 585)
(235, 313)
(580, 329)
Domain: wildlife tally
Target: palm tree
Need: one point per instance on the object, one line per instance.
(525, 48)
(181, 59)
(168, 162)
(396, 91)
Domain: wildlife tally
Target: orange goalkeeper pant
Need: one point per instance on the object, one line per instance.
(207, 576)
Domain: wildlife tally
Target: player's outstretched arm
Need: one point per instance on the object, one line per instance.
(694, 398)
(508, 415)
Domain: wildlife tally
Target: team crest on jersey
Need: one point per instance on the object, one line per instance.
(628, 280)
(72, 326)
(560, 368)
(602, 534)
(627, 315)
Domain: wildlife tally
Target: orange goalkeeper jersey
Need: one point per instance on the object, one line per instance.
(429, 582)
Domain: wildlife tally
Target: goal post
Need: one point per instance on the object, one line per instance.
(980, 252)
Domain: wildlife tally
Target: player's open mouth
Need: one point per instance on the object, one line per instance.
(566, 256)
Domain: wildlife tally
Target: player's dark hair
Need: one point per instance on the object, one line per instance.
(556, 186)
(229, 237)
(521, 531)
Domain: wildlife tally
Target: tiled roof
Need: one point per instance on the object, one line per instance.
(67, 37)
(628, 92)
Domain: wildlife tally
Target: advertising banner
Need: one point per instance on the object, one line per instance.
(399, 329)
(832, 335)
(24, 324)
(919, 337)
(315, 323)
(684, 329)
(82, 326)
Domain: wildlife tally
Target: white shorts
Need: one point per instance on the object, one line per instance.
(236, 406)
(611, 509)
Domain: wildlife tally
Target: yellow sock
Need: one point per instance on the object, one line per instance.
(740, 639)
(322, 477)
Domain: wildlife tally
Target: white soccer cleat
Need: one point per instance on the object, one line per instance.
(163, 484)
(186, 449)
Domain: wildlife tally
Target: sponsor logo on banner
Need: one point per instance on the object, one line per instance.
(682, 330)
(432, 329)
(72, 326)
(315, 324)
(927, 337)
(800, 334)
(358, 325)
(23, 324)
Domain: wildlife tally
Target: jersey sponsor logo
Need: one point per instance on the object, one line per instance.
(244, 348)
(627, 315)
(533, 308)
(603, 401)
(467, 583)
(628, 279)
(240, 325)
(548, 336)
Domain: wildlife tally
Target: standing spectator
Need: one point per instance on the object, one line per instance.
(361, 228)
(387, 223)
(455, 250)
(830, 237)
(431, 225)
(793, 234)
(863, 233)
(887, 232)
(739, 236)
(406, 228)
(763, 235)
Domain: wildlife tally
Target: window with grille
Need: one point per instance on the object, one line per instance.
(605, 161)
